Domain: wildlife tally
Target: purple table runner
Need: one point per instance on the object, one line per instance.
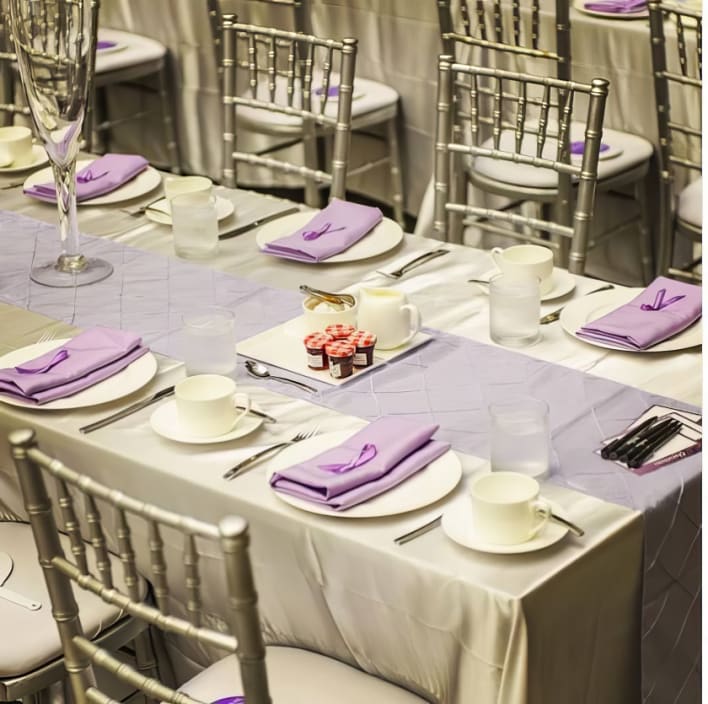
(449, 381)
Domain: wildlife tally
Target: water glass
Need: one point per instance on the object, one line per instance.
(520, 437)
(209, 342)
(514, 310)
(194, 225)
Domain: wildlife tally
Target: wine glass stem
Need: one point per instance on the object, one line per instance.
(70, 259)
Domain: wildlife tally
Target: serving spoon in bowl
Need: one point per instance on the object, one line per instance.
(262, 372)
(335, 298)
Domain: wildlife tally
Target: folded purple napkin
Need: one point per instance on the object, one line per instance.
(83, 361)
(330, 232)
(103, 44)
(101, 176)
(616, 6)
(663, 309)
(370, 462)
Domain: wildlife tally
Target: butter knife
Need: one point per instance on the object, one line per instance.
(134, 408)
(257, 223)
(552, 317)
(417, 532)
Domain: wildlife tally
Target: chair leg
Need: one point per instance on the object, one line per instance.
(666, 232)
(396, 173)
(458, 194)
(641, 195)
(166, 107)
(145, 658)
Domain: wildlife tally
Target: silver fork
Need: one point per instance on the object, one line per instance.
(238, 469)
(413, 263)
(140, 209)
(46, 336)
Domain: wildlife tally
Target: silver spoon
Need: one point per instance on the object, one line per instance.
(261, 371)
(328, 297)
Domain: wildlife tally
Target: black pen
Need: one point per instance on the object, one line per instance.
(617, 443)
(659, 442)
(643, 439)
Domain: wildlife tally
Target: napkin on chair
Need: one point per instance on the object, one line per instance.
(663, 309)
(375, 459)
(83, 361)
(330, 232)
(101, 176)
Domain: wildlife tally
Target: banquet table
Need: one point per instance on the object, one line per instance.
(583, 620)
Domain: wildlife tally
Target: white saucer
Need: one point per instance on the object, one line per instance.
(457, 525)
(39, 157)
(563, 284)
(165, 423)
(160, 212)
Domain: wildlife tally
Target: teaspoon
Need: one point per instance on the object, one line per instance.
(262, 372)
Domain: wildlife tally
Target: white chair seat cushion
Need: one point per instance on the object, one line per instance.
(626, 151)
(131, 50)
(35, 639)
(690, 204)
(298, 676)
(368, 97)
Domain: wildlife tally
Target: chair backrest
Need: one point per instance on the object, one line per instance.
(290, 77)
(61, 572)
(523, 120)
(515, 28)
(8, 107)
(676, 39)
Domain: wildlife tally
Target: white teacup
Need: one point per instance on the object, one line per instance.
(387, 313)
(506, 508)
(179, 185)
(15, 146)
(206, 405)
(526, 261)
(318, 314)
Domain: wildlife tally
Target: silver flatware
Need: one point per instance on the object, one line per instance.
(164, 393)
(417, 532)
(552, 317)
(11, 184)
(478, 281)
(260, 371)
(6, 565)
(575, 530)
(257, 223)
(413, 263)
(336, 298)
(244, 464)
(254, 412)
(140, 209)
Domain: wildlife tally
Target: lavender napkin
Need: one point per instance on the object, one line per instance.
(375, 459)
(101, 176)
(663, 309)
(330, 232)
(90, 357)
(617, 6)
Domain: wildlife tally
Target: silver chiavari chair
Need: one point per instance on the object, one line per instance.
(292, 674)
(9, 108)
(286, 77)
(518, 36)
(525, 121)
(676, 45)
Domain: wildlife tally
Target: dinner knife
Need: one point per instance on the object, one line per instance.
(128, 410)
(257, 223)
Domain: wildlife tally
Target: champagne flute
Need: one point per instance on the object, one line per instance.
(55, 46)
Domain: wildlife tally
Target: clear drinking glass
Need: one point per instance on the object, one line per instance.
(209, 341)
(519, 436)
(195, 226)
(514, 310)
(54, 42)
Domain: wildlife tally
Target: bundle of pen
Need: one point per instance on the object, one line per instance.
(646, 444)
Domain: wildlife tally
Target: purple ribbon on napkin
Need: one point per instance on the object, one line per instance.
(331, 231)
(90, 357)
(663, 309)
(103, 44)
(101, 176)
(402, 448)
(579, 147)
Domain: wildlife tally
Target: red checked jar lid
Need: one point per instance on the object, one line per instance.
(364, 342)
(341, 358)
(340, 331)
(315, 344)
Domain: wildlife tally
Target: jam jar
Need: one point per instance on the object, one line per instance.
(364, 341)
(341, 358)
(340, 331)
(315, 344)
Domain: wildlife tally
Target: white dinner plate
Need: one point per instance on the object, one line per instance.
(640, 14)
(425, 487)
(457, 525)
(562, 284)
(39, 157)
(130, 379)
(146, 181)
(385, 236)
(595, 305)
(164, 422)
(160, 212)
